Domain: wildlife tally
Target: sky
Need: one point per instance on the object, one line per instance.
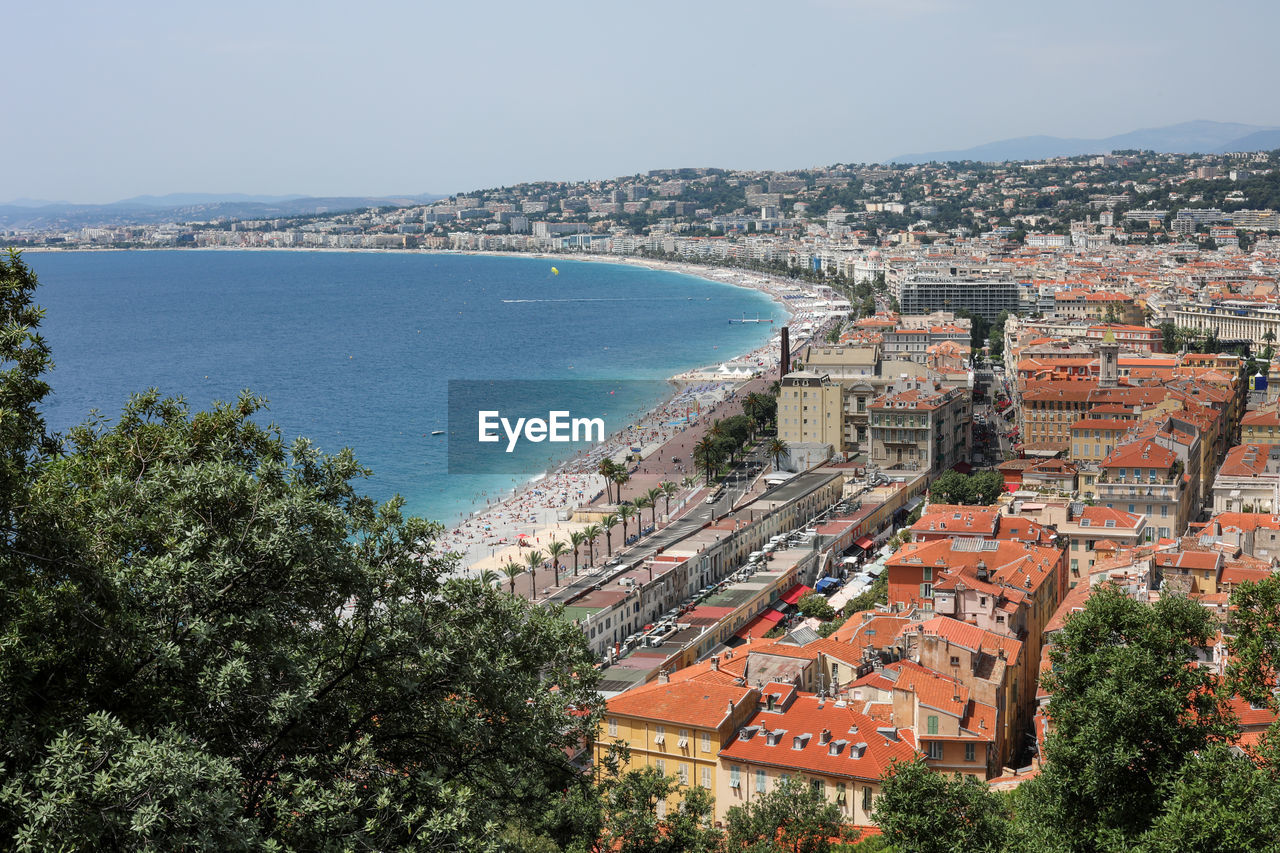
(108, 101)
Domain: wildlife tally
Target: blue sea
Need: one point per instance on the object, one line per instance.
(355, 349)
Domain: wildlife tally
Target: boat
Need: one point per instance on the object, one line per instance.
(437, 432)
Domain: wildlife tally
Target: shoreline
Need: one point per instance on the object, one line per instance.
(490, 536)
(535, 507)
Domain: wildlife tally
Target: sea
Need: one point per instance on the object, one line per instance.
(356, 349)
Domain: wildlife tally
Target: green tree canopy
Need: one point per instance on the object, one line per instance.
(1128, 711)
(927, 812)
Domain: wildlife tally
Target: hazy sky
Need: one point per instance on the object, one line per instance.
(109, 100)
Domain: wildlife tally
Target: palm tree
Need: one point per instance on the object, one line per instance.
(689, 480)
(625, 512)
(534, 559)
(704, 455)
(778, 449)
(607, 524)
(607, 469)
(592, 532)
(489, 578)
(668, 489)
(642, 503)
(576, 538)
(620, 477)
(513, 571)
(554, 549)
(653, 495)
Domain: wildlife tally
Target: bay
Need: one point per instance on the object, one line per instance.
(355, 349)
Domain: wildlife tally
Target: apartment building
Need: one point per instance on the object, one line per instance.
(921, 427)
(677, 728)
(821, 742)
(1248, 480)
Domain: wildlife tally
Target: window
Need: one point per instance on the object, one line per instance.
(841, 793)
(735, 776)
(969, 752)
(820, 787)
(660, 735)
(935, 749)
(613, 727)
(661, 767)
(928, 573)
(662, 809)
(706, 777)
(706, 741)
(684, 738)
(866, 799)
(682, 771)
(932, 724)
(760, 784)
(926, 590)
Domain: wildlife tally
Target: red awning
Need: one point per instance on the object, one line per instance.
(796, 593)
(864, 542)
(758, 626)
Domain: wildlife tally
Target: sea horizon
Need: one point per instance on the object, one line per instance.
(204, 330)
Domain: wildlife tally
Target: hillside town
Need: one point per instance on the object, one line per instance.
(1037, 380)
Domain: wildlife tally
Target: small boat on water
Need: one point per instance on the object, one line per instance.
(437, 432)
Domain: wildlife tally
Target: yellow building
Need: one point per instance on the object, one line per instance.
(677, 727)
(810, 410)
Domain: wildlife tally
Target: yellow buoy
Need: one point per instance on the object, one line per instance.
(555, 271)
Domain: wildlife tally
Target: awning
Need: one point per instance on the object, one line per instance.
(823, 584)
(796, 593)
(758, 626)
(864, 542)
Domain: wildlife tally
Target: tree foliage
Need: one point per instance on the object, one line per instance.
(792, 818)
(926, 812)
(1128, 712)
(212, 640)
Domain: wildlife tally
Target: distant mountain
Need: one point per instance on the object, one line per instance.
(186, 199)
(1202, 137)
(189, 207)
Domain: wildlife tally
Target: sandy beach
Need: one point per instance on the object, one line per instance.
(543, 508)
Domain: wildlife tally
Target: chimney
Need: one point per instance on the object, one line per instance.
(715, 659)
(825, 737)
(730, 711)
(786, 352)
(664, 677)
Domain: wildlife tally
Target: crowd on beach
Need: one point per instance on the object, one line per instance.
(539, 511)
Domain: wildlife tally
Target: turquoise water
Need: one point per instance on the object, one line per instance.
(355, 348)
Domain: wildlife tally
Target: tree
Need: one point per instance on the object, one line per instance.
(632, 825)
(512, 571)
(652, 497)
(592, 532)
(952, 488)
(607, 524)
(705, 455)
(1219, 804)
(1128, 710)
(620, 478)
(669, 489)
(556, 549)
(792, 818)
(815, 606)
(926, 812)
(626, 512)
(986, 486)
(776, 450)
(576, 538)
(211, 638)
(534, 560)
(608, 469)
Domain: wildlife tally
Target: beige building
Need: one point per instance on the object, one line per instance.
(810, 410)
(921, 426)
